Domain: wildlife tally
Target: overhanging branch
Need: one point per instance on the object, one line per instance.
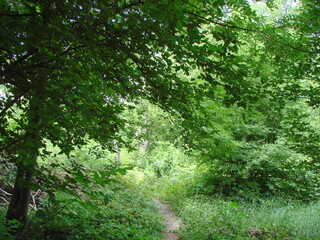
(17, 15)
(218, 23)
(10, 104)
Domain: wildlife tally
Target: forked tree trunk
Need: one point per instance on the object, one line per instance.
(26, 163)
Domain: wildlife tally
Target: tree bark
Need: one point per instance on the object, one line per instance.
(26, 164)
(19, 202)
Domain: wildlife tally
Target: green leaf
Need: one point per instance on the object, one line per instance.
(41, 214)
(106, 199)
(38, 9)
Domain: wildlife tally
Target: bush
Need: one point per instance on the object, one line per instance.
(259, 171)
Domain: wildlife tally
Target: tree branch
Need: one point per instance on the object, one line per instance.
(5, 200)
(271, 37)
(14, 141)
(252, 30)
(6, 193)
(17, 15)
(218, 23)
(24, 57)
(10, 104)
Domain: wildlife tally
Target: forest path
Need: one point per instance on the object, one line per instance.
(171, 221)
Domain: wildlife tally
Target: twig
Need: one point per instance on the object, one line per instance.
(33, 207)
(4, 199)
(37, 192)
(33, 196)
(9, 194)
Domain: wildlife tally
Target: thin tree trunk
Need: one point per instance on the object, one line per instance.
(145, 145)
(146, 142)
(117, 152)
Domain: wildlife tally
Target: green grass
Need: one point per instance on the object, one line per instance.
(209, 218)
(301, 220)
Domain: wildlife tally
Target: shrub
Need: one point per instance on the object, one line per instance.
(268, 170)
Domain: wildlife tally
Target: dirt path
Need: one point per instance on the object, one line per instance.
(171, 221)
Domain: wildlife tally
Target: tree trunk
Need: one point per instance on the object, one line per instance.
(117, 152)
(26, 163)
(145, 131)
(19, 202)
(145, 145)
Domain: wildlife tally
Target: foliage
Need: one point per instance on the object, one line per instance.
(57, 72)
(118, 212)
(148, 124)
(301, 130)
(244, 154)
(207, 219)
(268, 170)
(268, 149)
(228, 80)
(69, 69)
(212, 217)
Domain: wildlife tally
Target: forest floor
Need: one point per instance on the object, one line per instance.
(171, 221)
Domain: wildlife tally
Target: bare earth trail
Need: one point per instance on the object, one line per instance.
(171, 221)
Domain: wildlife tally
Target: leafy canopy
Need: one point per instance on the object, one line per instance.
(77, 63)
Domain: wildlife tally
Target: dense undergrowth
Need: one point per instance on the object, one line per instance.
(121, 212)
(217, 217)
(214, 201)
